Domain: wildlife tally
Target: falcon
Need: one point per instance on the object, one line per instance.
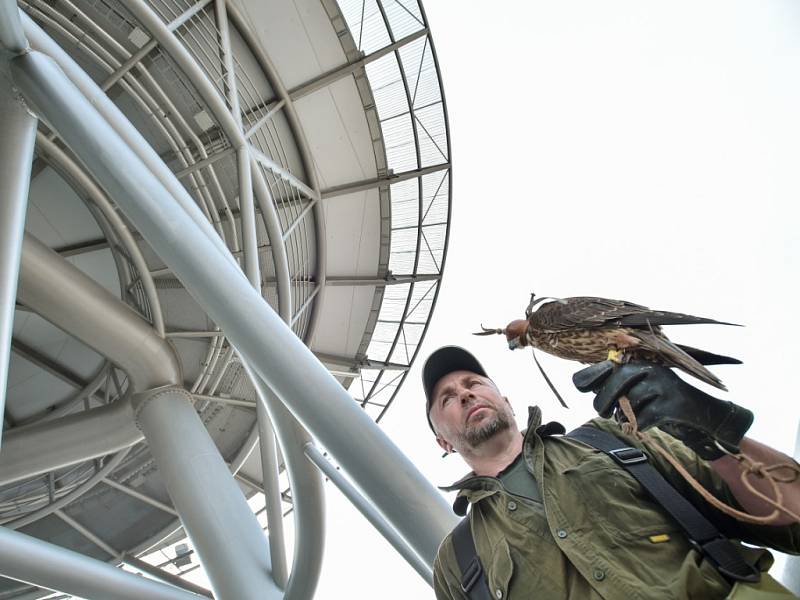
(590, 330)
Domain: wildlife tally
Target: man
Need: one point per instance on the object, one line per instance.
(554, 518)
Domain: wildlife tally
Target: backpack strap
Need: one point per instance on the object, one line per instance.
(473, 577)
(702, 534)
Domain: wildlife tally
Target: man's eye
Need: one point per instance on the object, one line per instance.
(445, 399)
(474, 383)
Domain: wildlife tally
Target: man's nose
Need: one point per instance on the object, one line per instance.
(467, 396)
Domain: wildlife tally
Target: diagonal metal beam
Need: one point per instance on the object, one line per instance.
(18, 127)
(183, 333)
(83, 247)
(381, 281)
(368, 184)
(282, 173)
(165, 576)
(200, 164)
(224, 400)
(89, 535)
(148, 47)
(56, 369)
(262, 120)
(364, 363)
(140, 496)
(128, 65)
(330, 77)
(12, 37)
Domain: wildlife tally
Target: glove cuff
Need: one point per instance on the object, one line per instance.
(725, 423)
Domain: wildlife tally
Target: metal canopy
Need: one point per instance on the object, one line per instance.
(307, 142)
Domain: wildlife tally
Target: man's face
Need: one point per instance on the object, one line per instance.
(467, 409)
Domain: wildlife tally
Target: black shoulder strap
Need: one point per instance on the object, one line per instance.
(700, 531)
(473, 578)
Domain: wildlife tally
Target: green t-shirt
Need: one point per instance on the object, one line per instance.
(517, 480)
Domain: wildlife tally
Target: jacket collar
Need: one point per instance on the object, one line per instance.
(472, 488)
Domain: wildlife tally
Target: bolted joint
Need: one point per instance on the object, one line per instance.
(141, 400)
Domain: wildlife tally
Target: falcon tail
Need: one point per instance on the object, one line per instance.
(674, 356)
(658, 317)
(708, 358)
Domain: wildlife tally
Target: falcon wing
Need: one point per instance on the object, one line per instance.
(587, 312)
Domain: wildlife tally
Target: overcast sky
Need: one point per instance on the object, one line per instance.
(639, 150)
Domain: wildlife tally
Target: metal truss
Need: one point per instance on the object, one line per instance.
(210, 239)
(413, 120)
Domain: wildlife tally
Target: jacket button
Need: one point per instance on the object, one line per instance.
(498, 593)
(512, 505)
(561, 533)
(598, 574)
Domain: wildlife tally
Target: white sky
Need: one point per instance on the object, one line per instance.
(628, 149)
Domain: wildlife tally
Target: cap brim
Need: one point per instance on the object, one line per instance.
(443, 361)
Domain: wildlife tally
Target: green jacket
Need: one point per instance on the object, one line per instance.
(593, 535)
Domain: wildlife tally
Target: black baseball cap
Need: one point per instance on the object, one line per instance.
(443, 361)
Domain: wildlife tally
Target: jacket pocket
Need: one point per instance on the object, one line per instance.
(614, 500)
(500, 571)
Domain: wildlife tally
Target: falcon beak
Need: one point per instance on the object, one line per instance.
(514, 343)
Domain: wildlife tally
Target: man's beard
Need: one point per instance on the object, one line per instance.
(474, 437)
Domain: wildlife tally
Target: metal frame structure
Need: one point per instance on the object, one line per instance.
(400, 60)
(214, 246)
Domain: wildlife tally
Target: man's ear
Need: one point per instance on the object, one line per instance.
(444, 444)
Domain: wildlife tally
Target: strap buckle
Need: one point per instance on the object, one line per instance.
(724, 555)
(628, 456)
(471, 575)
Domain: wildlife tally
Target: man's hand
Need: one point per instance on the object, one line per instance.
(659, 398)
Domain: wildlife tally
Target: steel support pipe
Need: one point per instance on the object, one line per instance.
(213, 510)
(27, 559)
(321, 264)
(18, 133)
(76, 303)
(232, 129)
(387, 478)
(266, 438)
(307, 494)
(39, 448)
(12, 37)
(273, 227)
(62, 162)
(164, 576)
(71, 300)
(272, 495)
(369, 512)
(122, 126)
